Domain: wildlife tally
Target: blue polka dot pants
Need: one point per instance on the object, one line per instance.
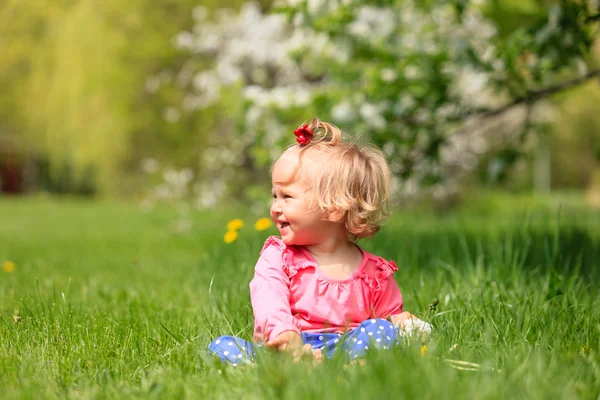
(372, 333)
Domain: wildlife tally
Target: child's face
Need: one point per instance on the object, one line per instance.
(299, 222)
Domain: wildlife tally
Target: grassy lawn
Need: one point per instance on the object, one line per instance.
(106, 301)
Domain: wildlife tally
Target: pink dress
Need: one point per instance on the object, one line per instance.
(289, 292)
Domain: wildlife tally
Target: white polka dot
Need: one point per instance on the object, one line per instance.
(230, 343)
(366, 347)
(336, 340)
(321, 337)
(354, 340)
(234, 364)
(225, 353)
(381, 328)
(240, 356)
(218, 341)
(373, 321)
(370, 333)
(362, 329)
(359, 342)
(378, 340)
(388, 338)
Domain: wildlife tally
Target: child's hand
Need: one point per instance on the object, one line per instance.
(401, 319)
(410, 324)
(288, 340)
(291, 342)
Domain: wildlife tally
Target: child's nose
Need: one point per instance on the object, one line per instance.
(275, 207)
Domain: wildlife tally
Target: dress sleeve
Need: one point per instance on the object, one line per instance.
(388, 300)
(270, 295)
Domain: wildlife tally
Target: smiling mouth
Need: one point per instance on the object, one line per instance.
(284, 225)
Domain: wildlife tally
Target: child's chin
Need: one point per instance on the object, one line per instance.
(288, 240)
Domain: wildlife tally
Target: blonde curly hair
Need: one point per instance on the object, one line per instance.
(350, 182)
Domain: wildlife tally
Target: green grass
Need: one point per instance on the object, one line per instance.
(107, 301)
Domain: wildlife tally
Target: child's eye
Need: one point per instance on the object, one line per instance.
(283, 196)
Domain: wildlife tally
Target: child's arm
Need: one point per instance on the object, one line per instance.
(388, 300)
(270, 296)
(388, 303)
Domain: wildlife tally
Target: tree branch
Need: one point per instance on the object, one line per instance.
(531, 98)
(592, 18)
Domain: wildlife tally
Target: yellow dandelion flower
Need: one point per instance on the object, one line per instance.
(262, 224)
(235, 224)
(230, 237)
(423, 350)
(8, 266)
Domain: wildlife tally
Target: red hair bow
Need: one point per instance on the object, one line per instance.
(303, 134)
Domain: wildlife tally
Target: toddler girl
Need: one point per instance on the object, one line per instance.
(314, 289)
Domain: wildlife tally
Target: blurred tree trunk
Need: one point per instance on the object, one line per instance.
(593, 192)
(542, 165)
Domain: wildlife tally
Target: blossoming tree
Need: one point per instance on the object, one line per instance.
(435, 83)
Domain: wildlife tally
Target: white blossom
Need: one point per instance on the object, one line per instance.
(152, 84)
(200, 13)
(343, 112)
(184, 40)
(150, 165)
(411, 72)
(471, 85)
(372, 115)
(372, 22)
(171, 114)
(388, 75)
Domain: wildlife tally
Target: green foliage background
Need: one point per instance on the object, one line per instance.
(73, 75)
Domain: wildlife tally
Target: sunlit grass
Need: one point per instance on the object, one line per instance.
(103, 300)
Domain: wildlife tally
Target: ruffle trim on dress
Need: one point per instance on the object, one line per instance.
(380, 274)
(277, 242)
(290, 265)
(375, 277)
